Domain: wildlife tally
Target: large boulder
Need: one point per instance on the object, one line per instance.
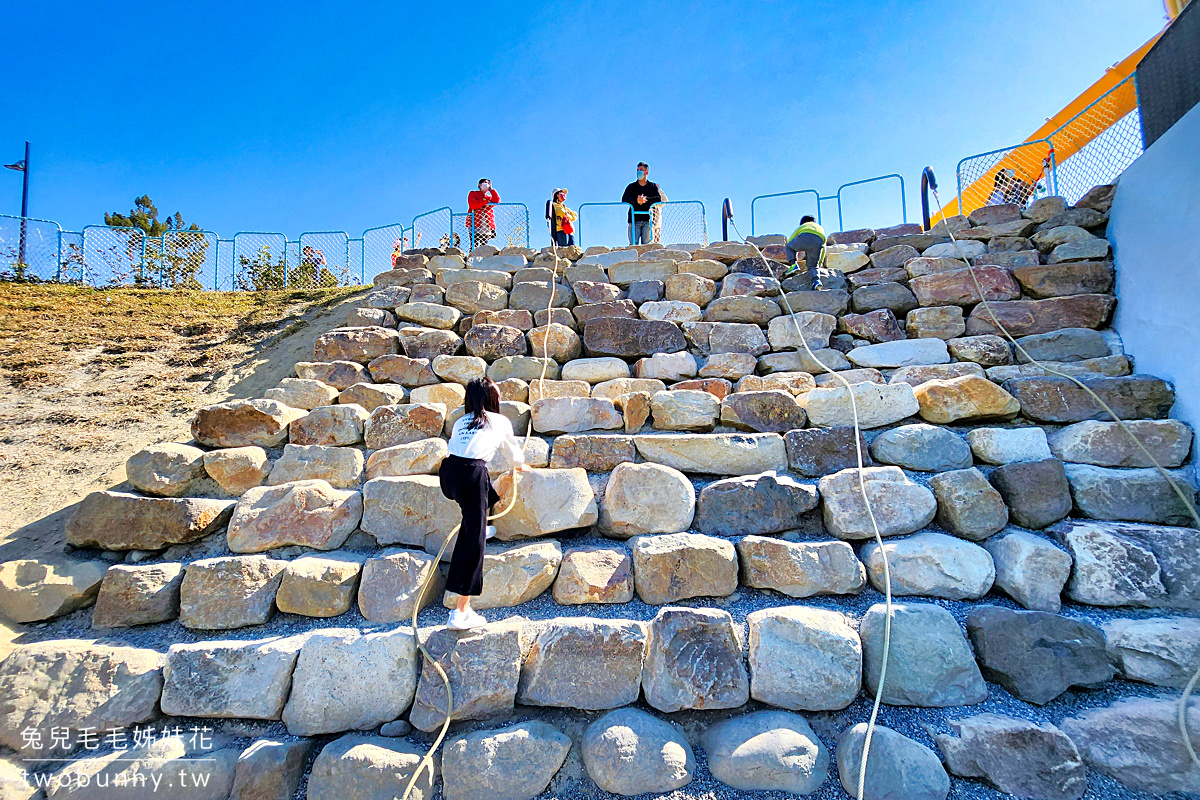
(358, 767)
(646, 498)
(1026, 317)
(899, 505)
(594, 575)
(320, 585)
(134, 594)
(34, 589)
(193, 767)
(75, 684)
(785, 332)
(632, 338)
(897, 767)
(483, 665)
(239, 423)
(960, 287)
(271, 769)
(762, 411)
(1035, 655)
(1018, 757)
(1001, 446)
(694, 661)
(767, 751)
(932, 565)
(903, 353)
(168, 470)
(968, 506)
(404, 370)
(1126, 564)
(583, 663)
(684, 410)
(670, 567)
(401, 424)
(930, 663)
(230, 679)
(920, 447)
(513, 763)
(336, 426)
(754, 504)
(123, 521)
(875, 404)
(1138, 742)
(409, 510)
(594, 453)
(229, 591)
(816, 452)
(1061, 401)
(310, 513)
(1161, 651)
(547, 501)
(804, 659)
(555, 415)
(302, 393)
(1106, 444)
(1133, 495)
(515, 575)
(491, 342)
(970, 398)
(1036, 492)
(347, 680)
(715, 454)
(422, 457)
(238, 469)
(359, 345)
(1029, 569)
(395, 582)
(628, 752)
(800, 569)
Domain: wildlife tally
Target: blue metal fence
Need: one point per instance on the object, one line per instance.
(786, 216)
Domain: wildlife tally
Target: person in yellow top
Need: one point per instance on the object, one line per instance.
(564, 219)
(809, 238)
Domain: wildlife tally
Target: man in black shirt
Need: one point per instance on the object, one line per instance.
(641, 194)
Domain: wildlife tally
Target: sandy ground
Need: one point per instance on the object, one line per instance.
(63, 439)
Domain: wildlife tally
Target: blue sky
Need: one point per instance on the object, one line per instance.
(322, 116)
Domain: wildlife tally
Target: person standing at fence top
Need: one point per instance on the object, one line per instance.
(564, 219)
(463, 478)
(809, 239)
(483, 218)
(641, 194)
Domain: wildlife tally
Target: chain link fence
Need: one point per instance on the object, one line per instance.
(499, 224)
(29, 249)
(114, 256)
(432, 227)
(1092, 148)
(184, 259)
(679, 222)
(259, 261)
(380, 248)
(323, 261)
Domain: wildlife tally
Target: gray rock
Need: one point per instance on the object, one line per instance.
(629, 752)
(816, 452)
(229, 591)
(1061, 401)
(671, 567)
(1162, 651)
(168, 470)
(594, 575)
(270, 769)
(1037, 656)
(192, 767)
(767, 751)
(1138, 743)
(229, 679)
(1036, 492)
(70, 683)
(1105, 444)
(34, 589)
(347, 680)
(932, 565)
(320, 585)
(804, 659)
(1001, 446)
(694, 661)
(1067, 344)
(899, 506)
(930, 663)
(800, 569)
(584, 663)
(968, 506)
(125, 521)
(1120, 563)
(646, 498)
(876, 404)
(1016, 756)
(514, 575)
(897, 767)
(391, 585)
(357, 767)
(1132, 495)
(753, 504)
(483, 665)
(513, 763)
(1029, 569)
(136, 594)
(715, 454)
(921, 447)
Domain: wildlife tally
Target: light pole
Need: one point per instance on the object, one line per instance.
(23, 167)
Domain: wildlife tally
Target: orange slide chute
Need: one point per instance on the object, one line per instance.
(1078, 123)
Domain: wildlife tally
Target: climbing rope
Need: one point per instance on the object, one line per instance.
(427, 759)
(1187, 501)
(862, 486)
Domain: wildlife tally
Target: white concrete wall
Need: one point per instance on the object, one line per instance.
(1155, 232)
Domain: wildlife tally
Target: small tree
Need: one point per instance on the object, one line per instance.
(262, 271)
(171, 261)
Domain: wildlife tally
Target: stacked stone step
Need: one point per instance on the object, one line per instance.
(690, 455)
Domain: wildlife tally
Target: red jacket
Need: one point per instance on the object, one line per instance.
(481, 205)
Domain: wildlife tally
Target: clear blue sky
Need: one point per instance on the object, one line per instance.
(319, 116)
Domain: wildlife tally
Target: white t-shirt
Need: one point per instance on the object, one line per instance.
(483, 442)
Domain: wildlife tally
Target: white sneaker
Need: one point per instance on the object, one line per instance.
(465, 620)
(491, 531)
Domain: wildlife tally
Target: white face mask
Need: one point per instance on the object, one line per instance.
(485, 187)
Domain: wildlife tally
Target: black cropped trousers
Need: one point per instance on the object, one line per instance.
(466, 482)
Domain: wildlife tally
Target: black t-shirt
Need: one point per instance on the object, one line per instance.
(633, 191)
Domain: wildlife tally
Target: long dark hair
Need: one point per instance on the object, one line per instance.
(482, 395)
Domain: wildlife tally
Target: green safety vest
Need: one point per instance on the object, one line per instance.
(808, 227)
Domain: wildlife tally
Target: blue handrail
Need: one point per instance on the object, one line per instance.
(897, 176)
(813, 192)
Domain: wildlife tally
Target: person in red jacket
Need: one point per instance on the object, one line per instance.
(483, 219)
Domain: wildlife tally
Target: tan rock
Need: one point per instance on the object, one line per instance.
(514, 575)
(391, 585)
(370, 396)
(403, 370)
(876, 405)
(310, 513)
(671, 567)
(237, 469)
(168, 470)
(969, 398)
(612, 389)
(341, 467)
(402, 424)
(302, 393)
(356, 344)
(594, 575)
(459, 369)
(340, 375)
(123, 521)
(555, 341)
(239, 423)
(422, 457)
(483, 665)
(138, 594)
(409, 510)
(646, 498)
(548, 501)
(334, 426)
(684, 410)
(229, 591)
(320, 585)
(689, 287)
(34, 589)
(575, 414)
(595, 370)
(575, 388)
(800, 569)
